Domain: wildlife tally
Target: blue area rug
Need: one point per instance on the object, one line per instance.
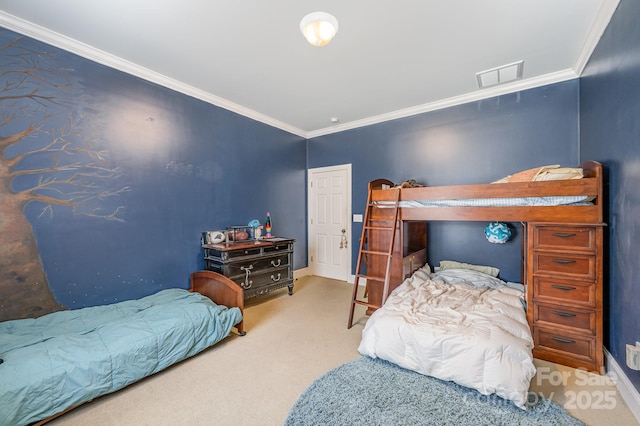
(370, 391)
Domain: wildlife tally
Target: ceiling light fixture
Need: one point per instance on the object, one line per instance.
(319, 28)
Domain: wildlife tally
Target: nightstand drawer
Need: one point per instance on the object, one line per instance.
(582, 321)
(578, 293)
(563, 238)
(564, 344)
(570, 265)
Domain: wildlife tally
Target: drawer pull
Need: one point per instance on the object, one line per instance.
(562, 340)
(247, 282)
(563, 235)
(564, 261)
(276, 279)
(274, 264)
(563, 287)
(564, 314)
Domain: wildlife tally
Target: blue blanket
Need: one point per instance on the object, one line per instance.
(66, 358)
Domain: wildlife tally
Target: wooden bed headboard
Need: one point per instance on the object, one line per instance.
(590, 185)
(222, 290)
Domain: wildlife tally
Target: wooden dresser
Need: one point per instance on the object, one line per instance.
(258, 266)
(563, 274)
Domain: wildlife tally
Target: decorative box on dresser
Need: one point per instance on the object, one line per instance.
(258, 266)
(563, 273)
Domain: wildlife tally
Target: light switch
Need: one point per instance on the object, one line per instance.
(357, 218)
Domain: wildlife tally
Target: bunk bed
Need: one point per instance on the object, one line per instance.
(52, 364)
(562, 251)
(414, 201)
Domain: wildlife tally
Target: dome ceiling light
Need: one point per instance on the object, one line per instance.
(319, 28)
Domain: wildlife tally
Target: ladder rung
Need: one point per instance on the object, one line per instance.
(368, 277)
(382, 253)
(367, 304)
(380, 228)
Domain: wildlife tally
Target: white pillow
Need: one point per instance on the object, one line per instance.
(467, 276)
(451, 264)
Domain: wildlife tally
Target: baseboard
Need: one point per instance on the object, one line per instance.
(627, 390)
(299, 273)
(303, 272)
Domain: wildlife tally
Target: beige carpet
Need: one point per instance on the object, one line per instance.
(290, 341)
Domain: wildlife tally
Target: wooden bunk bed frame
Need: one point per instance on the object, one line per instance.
(590, 185)
(562, 254)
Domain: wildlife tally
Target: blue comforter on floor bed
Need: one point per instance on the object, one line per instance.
(66, 358)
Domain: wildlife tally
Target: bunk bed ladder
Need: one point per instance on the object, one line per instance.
(365, 252)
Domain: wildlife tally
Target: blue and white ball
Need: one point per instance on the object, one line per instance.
(497, 232)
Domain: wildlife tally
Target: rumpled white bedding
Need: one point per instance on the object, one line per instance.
(476, 336)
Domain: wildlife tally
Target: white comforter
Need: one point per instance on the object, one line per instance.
(477, 337)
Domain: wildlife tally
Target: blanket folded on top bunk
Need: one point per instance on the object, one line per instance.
(472, 332)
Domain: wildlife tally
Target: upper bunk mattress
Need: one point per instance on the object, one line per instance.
(492, 202)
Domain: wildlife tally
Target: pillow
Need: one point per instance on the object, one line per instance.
(551, 172)
(469, 277)
(560, 173)
(451, 264)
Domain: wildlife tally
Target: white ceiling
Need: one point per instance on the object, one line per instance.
(390, 58)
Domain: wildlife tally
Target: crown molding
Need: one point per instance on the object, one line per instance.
(86, 51)
(478, 95)
(607, 9)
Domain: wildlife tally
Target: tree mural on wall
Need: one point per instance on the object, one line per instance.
(48, 154)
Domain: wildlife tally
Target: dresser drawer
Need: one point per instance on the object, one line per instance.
(580, 320)
(228, 255)
(241, 253)
(263, 278)
(578, 293)
(570, 265)
(564, 344)
(279, 248)
(256, 265)
(565, 238)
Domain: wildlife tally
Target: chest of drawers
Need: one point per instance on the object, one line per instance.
(259, 267)
(563, 267)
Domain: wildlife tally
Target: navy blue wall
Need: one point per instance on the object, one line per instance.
(183, 166)
(610, 131)
(478, 142)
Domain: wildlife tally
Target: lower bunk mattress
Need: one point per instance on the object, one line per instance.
(61, 360)
(470, 329)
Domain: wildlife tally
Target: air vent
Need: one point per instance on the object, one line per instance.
(500, 75)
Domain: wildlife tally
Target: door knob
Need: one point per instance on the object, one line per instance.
(343, 239)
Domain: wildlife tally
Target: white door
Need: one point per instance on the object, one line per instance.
(329, 225)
